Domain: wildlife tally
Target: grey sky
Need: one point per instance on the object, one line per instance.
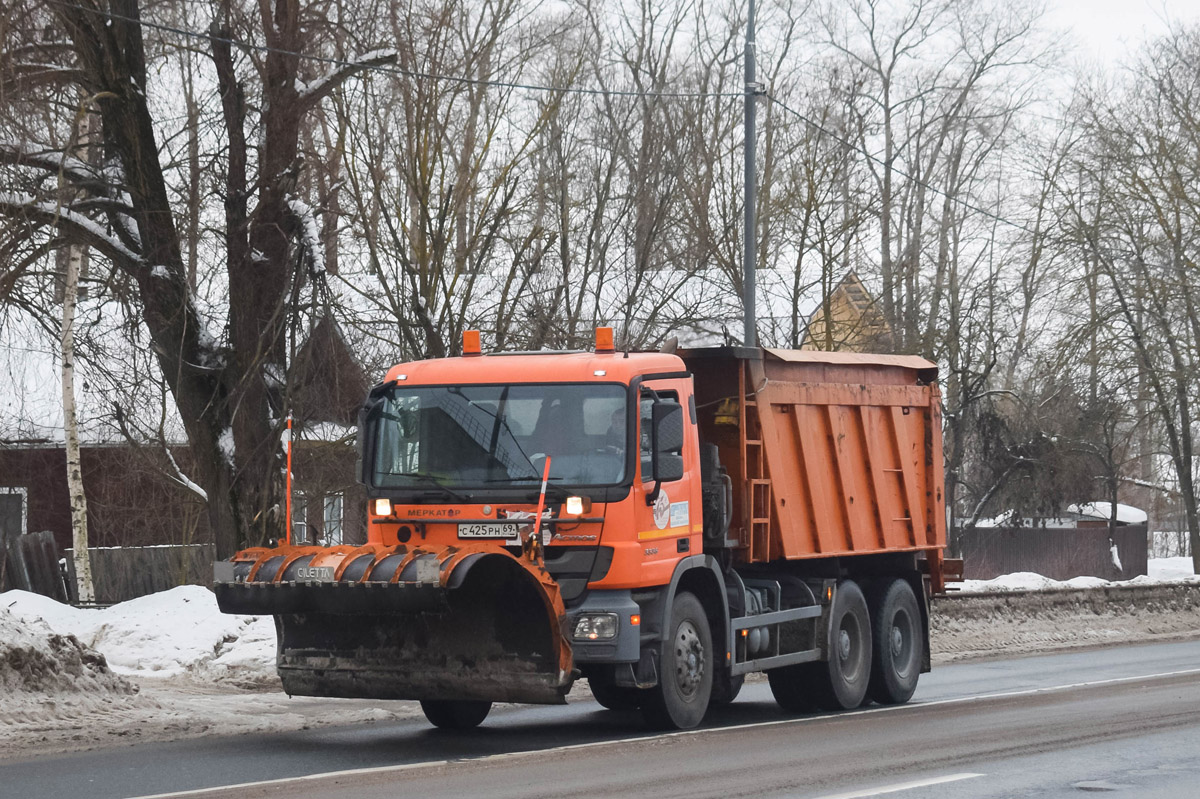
(1109, 30)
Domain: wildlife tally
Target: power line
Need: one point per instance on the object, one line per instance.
(387, 68)
(394, 70)
(870, 156)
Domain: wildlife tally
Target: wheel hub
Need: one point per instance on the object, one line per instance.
(689, 659)
(897, 641)
(843, 644)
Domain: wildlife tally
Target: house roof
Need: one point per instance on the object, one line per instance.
(328, 382)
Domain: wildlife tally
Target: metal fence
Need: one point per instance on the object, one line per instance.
(1059, 553)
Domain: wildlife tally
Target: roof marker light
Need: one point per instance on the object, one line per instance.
(599, 373)
(471, 343)
(604, 340)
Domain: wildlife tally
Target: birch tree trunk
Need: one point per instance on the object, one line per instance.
(79, 534)
(84, 591)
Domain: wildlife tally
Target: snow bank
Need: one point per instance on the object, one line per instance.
(45, 675)
(35, 659)
(165, 634)
(1160, 571)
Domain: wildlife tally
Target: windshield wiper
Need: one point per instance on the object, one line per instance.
(430, 480)
(560, 490)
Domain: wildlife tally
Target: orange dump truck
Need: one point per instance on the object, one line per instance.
(659, 524)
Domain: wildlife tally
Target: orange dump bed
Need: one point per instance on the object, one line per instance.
(831, 454)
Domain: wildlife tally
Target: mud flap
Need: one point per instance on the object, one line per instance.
(454, 623)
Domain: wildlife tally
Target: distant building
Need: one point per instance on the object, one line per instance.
(848, 320)
(133, 499)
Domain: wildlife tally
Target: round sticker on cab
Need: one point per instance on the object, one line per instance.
(662, 510)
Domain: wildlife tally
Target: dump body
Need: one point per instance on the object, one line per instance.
(832, 454)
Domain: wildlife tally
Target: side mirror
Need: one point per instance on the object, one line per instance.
(368, 419)
(667, 455)
(668, 426)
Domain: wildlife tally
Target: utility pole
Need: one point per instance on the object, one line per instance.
(749, 237)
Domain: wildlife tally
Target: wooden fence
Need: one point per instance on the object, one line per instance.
(1059, 553)
(121, 573)
(29, 562)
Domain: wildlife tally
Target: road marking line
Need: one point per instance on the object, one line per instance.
(679, 734)
(300, 778)
(901, 786)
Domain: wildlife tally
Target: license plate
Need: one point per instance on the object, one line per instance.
(473, 530)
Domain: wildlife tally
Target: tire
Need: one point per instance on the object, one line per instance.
(899, 645)
(615, 697)
(842, 682)
(794, 687)
(455, 714)
(680, 699)
(725, 689)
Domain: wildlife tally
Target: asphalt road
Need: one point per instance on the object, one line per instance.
(1123, 720)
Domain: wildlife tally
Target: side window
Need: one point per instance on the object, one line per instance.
(299, 519)
(645, 409)
(332, 521)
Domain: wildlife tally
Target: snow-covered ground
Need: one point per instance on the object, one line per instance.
(171, 666)
(171, 633)
(1160, 571)
(161, 667)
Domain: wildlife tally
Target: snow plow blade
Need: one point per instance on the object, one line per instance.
(380, 622)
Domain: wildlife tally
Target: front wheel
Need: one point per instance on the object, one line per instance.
(680, 699)
(455, 714)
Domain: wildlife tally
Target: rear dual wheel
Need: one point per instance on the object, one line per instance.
(898, 643)
(455, 714)
(841, 682)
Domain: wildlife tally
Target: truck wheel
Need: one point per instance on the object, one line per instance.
(794, 687)
(455, 714)
(842, 684)
(899, 644)
(680, 699)
(615, 697)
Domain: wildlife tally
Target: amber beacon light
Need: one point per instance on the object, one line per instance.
(471, 343)
(604, 339)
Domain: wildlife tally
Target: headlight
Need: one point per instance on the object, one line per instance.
(383, 507)
(595, 627)
(577, 506)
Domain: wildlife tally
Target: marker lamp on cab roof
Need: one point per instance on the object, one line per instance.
(383, 507)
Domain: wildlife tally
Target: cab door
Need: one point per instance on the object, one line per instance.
(666, 490)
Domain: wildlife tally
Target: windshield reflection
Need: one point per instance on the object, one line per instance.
(490, 436)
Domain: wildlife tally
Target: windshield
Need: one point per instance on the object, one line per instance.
(492, 436)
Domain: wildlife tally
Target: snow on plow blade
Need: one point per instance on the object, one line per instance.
(462, 622)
